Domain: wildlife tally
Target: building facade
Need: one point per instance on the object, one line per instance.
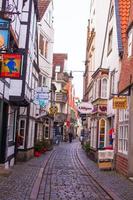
(17, 107)
(45, 45)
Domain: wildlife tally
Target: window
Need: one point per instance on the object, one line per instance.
(46, 49)
(97, 88)
(110, 38)
(93, 133)
(21, 133)
(57, 68)
(40, 80)
(44, 81)
(102, 126)
(11, 124)
(104, 88)
(130, 42)
(111, 12)
(41, 44)
(112, 83)
(123, 131)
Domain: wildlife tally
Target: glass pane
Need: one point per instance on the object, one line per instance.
(22, 124)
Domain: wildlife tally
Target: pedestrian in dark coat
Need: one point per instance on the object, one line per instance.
(70, 135)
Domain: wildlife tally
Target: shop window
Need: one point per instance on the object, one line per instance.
(93, 133)
(102, 127)
(104, 88)
(21, 133)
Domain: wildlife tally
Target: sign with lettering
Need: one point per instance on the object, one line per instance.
(10, 65)
(120, 103)
(41, 96)
(4, 34)
(85, 108)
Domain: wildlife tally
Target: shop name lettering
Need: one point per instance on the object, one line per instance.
(84, 108)
(3, 25)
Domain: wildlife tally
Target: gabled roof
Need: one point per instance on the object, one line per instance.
(42, 7)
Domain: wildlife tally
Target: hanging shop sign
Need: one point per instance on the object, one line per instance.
(120, 103)
(41, 96)
(85, 108)
(10, 65)
(4, 34)
(53, 110)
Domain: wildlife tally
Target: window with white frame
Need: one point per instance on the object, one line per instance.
(21, 133)
(102, 132)
(123, 131)
(11, 124)
(94, 90)
(97, 88)
(110, 39)
(41, 44)
(104, 88)
(130, 42)
(112, 83)
(57, 68)
(93, 133)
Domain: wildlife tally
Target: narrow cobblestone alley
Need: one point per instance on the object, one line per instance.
(62, 174)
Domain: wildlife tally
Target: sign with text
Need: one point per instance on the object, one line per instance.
(41, 96)
(4, 33)
(85, 108)
(10, 65)
(120, 103)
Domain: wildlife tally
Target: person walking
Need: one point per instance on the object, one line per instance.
(70, 134)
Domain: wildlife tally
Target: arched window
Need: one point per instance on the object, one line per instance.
(104, 88)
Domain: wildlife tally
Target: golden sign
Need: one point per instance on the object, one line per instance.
(120, 103)
(53, 110)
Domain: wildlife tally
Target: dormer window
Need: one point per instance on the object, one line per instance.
(130, 42)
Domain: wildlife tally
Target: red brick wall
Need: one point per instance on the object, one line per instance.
(126, 75)
(122, 165)
(59, 59)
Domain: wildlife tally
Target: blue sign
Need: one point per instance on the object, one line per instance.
(4, 33)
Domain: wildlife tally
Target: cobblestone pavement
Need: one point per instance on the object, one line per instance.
(63, 178)
(117, 183)
(19, 184)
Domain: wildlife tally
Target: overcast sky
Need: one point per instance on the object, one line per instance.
(70, 24)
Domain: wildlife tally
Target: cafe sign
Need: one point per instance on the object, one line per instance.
(120, 103)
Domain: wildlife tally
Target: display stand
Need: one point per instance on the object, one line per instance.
(105, 159)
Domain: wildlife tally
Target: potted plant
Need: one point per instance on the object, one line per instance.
(37, 149)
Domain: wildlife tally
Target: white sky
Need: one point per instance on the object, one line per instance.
(70, 25)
